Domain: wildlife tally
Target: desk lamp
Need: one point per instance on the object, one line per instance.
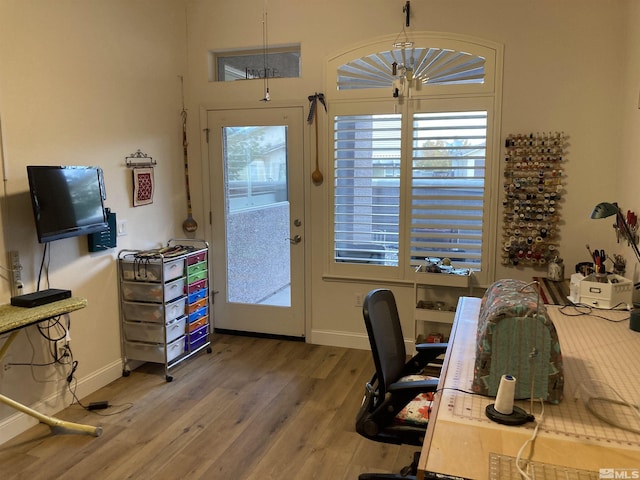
(604, 210)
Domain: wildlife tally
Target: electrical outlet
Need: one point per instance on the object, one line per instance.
(16, 273)
(359, 297)
(122, 228)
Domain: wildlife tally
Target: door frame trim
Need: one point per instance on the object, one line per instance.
(205, 108)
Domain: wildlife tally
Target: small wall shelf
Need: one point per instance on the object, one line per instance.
(436, 296)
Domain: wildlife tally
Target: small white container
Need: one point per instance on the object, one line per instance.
(607, 291)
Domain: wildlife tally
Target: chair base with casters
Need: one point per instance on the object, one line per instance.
(397, 400)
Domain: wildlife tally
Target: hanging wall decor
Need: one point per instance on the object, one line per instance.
(532, 192)
(142, 186)
(189, 225)
(265, 56)
(143, 182)
(316, 176)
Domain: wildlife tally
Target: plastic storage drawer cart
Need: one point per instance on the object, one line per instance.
(164, 303)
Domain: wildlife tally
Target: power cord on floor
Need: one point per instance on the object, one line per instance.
(96, 407)
(93, 407)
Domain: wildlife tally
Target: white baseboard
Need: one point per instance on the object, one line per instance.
(334, 338)
(20, 422)
(349, 340)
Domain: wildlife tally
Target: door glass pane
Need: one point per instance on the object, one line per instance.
(257, 215)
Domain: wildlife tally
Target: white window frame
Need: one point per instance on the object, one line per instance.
(484, 96)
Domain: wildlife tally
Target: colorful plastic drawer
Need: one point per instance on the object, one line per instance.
(196, 339)
(197, 257)
(153, 292)
(197, 295)
(154, 312)
(151, 270)
(200, 322)
(195, 277)
(154, 352)
(201, 312)
(199, 285)
(197, 267)
(197, 305)
(198, 343)
(155, 332)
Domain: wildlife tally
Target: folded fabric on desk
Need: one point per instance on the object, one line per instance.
(516, 337)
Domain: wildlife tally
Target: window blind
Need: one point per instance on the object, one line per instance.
(367, 188)
(447, 186)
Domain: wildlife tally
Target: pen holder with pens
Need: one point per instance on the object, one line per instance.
(599, 259)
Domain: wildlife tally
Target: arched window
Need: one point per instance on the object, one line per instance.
(414, 145)
(429, 66)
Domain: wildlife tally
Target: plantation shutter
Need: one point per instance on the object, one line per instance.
(367, 188)
(447, 187)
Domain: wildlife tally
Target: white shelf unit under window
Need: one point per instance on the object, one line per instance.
(436, 296)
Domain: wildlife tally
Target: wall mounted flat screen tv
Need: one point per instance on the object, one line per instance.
(67, 201)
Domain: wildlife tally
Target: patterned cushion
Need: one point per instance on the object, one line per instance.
(417, 411)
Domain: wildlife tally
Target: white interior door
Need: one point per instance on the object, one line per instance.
(257, 218)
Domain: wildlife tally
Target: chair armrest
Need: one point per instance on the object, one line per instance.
(416, 386)
(434, 349)
(427, 352)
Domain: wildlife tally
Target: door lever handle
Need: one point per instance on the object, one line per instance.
(295, 239)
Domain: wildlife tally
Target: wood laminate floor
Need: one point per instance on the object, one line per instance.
(253, 409)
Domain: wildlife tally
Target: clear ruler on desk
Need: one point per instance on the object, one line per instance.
(503, 467)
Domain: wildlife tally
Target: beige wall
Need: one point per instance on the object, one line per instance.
(92, 81)
(628, 167)
(87, 82)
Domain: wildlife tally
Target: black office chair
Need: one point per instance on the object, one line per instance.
(397, 400)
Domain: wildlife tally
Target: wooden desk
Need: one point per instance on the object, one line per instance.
(462, 441)
(13, 319)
